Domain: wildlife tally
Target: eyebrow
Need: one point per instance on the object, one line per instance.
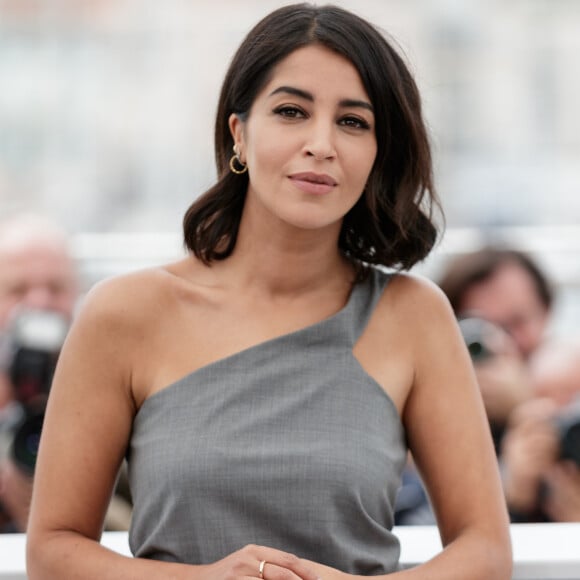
(310, 97)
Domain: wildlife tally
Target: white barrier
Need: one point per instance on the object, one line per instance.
(541, 551)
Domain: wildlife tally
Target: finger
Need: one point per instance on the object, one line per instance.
(284, 560)
(274, 572)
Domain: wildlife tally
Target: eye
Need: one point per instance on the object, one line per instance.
(290, 112)
(17, 291)
(354, 122)
(56, 288)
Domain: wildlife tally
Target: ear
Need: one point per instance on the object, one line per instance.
(237, 130)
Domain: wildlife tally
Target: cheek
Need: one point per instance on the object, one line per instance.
(361, 163)
(269, 155)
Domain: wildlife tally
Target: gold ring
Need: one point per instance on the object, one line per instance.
(261, 568)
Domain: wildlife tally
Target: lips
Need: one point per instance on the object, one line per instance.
(321, 178)
(313, 183)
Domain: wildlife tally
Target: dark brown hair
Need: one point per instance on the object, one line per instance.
(392, 223)
(468, 270)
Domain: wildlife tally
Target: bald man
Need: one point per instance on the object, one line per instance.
(36, 268)
(36, 271)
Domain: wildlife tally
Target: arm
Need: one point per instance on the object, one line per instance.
(85, 435)
(449, 436)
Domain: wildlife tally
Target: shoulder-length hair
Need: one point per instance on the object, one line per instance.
(392, 223)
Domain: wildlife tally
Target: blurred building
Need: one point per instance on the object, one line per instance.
(106, 106)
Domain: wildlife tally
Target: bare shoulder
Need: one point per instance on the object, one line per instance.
(131, 297)
(120, 323)
(139, 285)
(415, 316)
(415, 297)
(410, 310)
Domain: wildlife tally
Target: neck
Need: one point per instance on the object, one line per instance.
(285, 260)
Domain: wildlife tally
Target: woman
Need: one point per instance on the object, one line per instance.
(265, 413)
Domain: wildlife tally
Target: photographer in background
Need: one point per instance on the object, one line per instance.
(502, 301)
(528, 382)
(541, 448)
(511, 297)
(38, 292)
(507, 288)
(36, 271)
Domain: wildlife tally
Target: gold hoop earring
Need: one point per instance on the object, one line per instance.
(236, 164)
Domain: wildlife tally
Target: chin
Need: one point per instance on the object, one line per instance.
(313, 223)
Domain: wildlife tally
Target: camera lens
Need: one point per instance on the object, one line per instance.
(570, 443)
(568, 425)
(476, 350)
(476, 333)
(26, 441)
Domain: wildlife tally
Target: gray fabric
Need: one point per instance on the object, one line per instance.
(289, 444)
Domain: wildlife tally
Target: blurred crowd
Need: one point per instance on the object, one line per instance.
(529, 381)
(39, 291)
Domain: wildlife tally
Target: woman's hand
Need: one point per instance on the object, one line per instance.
(259, 562)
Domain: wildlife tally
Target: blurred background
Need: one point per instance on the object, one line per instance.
(106, 115)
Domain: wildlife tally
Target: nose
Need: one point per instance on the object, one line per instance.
(39, 297)
(320, 142)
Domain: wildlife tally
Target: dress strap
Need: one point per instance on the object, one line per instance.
(366, 296)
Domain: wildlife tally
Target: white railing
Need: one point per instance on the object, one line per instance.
(541, 551)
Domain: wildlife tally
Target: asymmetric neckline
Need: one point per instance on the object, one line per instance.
(357, 288)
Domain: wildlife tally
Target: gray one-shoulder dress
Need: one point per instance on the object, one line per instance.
(288, 444)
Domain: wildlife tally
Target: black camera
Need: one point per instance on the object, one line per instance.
(25, 442)
(29, 351)
(568, 426)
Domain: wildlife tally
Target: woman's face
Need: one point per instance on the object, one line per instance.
(309, 140)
